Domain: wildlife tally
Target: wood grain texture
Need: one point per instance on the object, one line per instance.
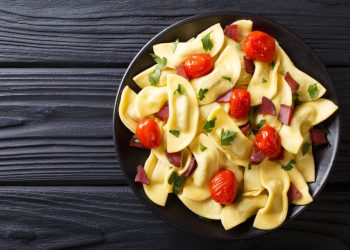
(56, 127)
(113, 218)
(111, 32)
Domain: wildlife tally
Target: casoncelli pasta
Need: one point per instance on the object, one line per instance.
(231, 123)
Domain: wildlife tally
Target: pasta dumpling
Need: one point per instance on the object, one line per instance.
(150, 100)
(276, 181)
(221, 79)
(193, 46)
(127, 109)
(181, 127)
(143, 78)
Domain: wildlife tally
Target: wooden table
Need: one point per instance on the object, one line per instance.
(61, 185)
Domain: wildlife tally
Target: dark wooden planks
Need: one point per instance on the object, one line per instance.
(113, 218)
(111, 32)
(56, 126)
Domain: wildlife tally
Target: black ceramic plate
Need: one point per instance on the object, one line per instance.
(175, 213)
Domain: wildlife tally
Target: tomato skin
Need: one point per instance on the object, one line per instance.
(223, 187)
(239, 103)
(198, 65)
(148, 133)
(259, 46)
(268, 141)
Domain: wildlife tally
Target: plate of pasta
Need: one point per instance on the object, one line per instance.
(226, 125)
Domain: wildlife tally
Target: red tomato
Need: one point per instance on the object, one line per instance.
(198, 65)
(223, 187)
(268, 141)
(259, 46)
(239, 103)
(148, 133)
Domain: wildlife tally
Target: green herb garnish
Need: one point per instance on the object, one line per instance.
(180, 89)
(172, 178)
(155, 76)
(174, 45)
(296, 100)
(228, 78)
(202, 147)
(249, 166)
(261, 123)
(273, 65)
(305, 148)
(207, 43)
(263, 80)
(251, 115)
(313, 91)
(239, 46)
(227, 137)
(209, 125)
(134, 137)
(179, 180)
(324, 129)
(201, 93)
(289, 165)
(175, 132)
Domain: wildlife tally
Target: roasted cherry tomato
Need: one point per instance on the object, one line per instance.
(259, 46)
(239, 103)
(268, 141)
(148, 133)
(198, 65)
(223, 187)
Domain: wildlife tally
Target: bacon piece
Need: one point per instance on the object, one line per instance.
(174, 158)
(141, 176)
(249, 65)
(286, 113)
(246, 128)
(163, 113)
(191, 167)
(293, 193)
(232, 32)
(318, 137)
(225, 97)
(291, 82)
(181, 71)
(257, 156)
(267, 107)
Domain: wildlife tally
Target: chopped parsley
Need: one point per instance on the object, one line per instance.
(179, 180)
(305, 148)
(239, 46)
(313, 91)
(155, 75)
(207, 43)
(180, 89)
(174, 45)
(261, 123)
(136, 139)
(175, 132)
(209, 125)
(324, 129)
(273, 65)
(228, 78)
(263, 80)
(296, 100)
(289, 165)
(251, 115)
(202, 147)
(227, 136)
(249, 166)
(201, 93)
(172, 178)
